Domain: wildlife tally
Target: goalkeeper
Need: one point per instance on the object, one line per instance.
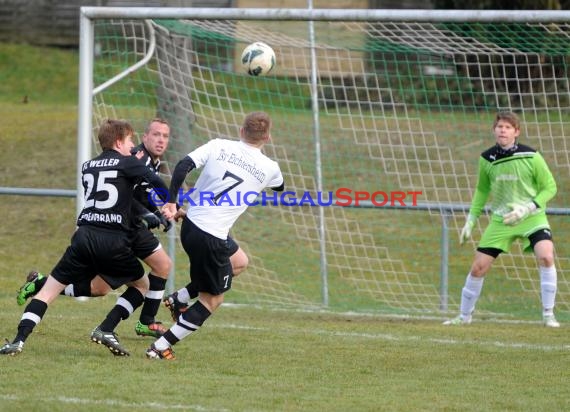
(521, 184)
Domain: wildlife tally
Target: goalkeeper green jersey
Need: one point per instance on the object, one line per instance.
(517, 175)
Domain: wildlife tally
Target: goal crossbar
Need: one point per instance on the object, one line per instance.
(380, 15)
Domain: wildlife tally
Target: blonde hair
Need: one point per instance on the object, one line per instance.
(112, 130)
(256, 127)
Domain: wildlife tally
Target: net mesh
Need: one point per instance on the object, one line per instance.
(403, 108)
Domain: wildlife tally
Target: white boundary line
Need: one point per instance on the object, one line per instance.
(484, 317)
(398, 338)
(115, 403)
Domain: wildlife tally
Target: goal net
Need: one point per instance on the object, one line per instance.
(403, 106)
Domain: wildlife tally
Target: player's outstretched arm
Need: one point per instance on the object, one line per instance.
(181, 170)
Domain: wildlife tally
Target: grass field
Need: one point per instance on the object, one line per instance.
(246, 358)
(249, 359)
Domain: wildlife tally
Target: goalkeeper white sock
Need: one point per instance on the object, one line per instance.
(469, 295)
(547, 288)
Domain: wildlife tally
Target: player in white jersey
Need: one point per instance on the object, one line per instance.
(233, 174)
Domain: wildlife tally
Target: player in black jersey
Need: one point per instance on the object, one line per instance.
(101, 245)
(145, 244)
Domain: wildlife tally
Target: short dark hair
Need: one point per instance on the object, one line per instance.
(156, 120)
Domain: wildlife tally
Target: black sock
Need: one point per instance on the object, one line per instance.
(195, 315)
(170, 338)
(26, 326)
(40, 283)
(80, 289)
(192, 292)
(121, 310)
(152, 299)
(191, 321)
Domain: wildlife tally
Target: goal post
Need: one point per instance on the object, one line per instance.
(379, 118)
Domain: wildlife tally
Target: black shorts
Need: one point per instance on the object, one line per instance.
(210, 266)
(542, 234)
(98, 251)
(143, 242)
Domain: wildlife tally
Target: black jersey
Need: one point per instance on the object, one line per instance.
(142, 189)
(108, 183)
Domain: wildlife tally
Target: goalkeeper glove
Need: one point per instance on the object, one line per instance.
(467, 229)
(154, 220)
(519, 213)
(151, 220)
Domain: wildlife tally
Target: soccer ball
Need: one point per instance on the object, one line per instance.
(258, 59)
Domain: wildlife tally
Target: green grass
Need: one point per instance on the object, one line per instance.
(47, 76)
(246, 358)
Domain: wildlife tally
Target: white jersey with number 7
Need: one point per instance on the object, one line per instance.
(233, 174)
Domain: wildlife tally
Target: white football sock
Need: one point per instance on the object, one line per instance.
(469, 295)
(547, 288)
